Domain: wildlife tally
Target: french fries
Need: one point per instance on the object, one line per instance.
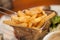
(20, 13)
(32, 18)
(45, 19)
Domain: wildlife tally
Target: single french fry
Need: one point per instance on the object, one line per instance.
(15, 19)
(23, 19)
(20, 13)
(12, 23)
(30, 24)
(22, 24)
(27, 12)
(9, 22)
(33, 11)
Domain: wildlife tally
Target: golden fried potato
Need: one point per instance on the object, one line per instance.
(30, 12)
(23, 19)
(30, 24)
(32, 18)
(36, 9)
(27, 12)
(36, 20)
(12, 23)
(46, 19)
(22, 24)
(9, 22)
(20, 13)
(14, 17)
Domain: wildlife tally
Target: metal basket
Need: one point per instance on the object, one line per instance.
(23, 33)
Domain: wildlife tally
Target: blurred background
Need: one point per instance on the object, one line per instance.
(16, 5)
(24, 4)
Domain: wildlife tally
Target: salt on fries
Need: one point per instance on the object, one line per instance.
(32, 18)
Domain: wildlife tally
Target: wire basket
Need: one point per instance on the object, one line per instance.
(23, 33)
